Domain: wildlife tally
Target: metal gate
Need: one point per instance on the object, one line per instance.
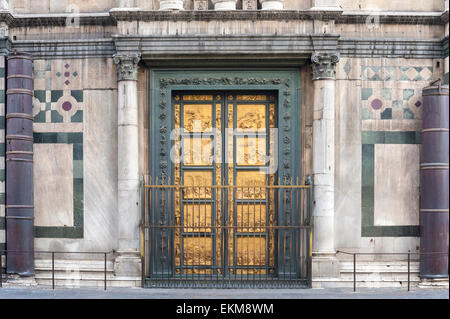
(246, 249)
(225, 220)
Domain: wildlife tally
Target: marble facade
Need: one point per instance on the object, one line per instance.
(359, 99)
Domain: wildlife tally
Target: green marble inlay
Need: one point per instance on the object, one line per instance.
(2, 149)
(369, 139)
(2, 122)
(386, 114)
(2, 198)
(77, 94)
(56, 117)
(366, 93)
(2, 223)
(40, 117)
(397, 104)
(76, 139)
(2, 72)
(407, 94)
(386, 93)
(56, 95)
(408, 114)
(2, 96)
(366, 114)
(446, 78)
(40, 95)
(77, 117)
(2, 175)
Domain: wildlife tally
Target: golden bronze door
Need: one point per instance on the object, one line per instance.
(224, 205)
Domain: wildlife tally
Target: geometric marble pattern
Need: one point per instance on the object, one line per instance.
(76, 141)
(393, 92)
(396, 73)
(58, 97)
(368, 168)
(391, 103)
(58, 112)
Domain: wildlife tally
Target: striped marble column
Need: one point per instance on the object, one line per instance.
(2, 154)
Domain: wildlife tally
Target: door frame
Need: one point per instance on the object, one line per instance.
(161, 117)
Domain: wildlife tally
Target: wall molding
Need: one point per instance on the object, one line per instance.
(125, 14)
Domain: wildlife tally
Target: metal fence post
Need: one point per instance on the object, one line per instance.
(105, 271)
(53, 270)
(409, 267)
(354, 272)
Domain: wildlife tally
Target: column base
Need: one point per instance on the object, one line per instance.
(325, 265)
(16, 280)
(433, 283)
(127, 264)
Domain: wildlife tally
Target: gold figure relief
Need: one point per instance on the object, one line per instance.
(197, 118)
(251, 118)
(250, 151)
(197, 204)
(197, 218)
(250, 185)
(251, 218)
(196, 184)
(197, 151)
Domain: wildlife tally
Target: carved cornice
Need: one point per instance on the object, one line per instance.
(324, 65)
(127, 66)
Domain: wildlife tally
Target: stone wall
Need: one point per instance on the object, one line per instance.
(75, 176)
(378, 129)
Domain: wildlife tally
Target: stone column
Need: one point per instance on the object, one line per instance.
(221, 5)
(325, 263)
(171, 4)
(128, 260)
(272, 4)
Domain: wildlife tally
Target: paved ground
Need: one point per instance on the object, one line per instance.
(137, 293)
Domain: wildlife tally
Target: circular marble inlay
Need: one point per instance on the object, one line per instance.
(67, 106)
(376, 104)
(418, 104)
(67, 74)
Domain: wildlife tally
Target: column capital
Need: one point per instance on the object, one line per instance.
(324, 65)
(127, 66)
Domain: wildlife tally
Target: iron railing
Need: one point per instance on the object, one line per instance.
(226, 236)
(408, 254)
(53, 254)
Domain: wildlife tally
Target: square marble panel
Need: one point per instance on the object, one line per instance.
(53, 185)
(396, 201)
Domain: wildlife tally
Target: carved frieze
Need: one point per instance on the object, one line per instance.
(127, 66)
(324, 65)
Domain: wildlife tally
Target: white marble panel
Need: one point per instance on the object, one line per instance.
(53, 184)
(396, 184)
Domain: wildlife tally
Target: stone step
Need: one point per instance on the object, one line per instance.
(116, 282)
(70, 265)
